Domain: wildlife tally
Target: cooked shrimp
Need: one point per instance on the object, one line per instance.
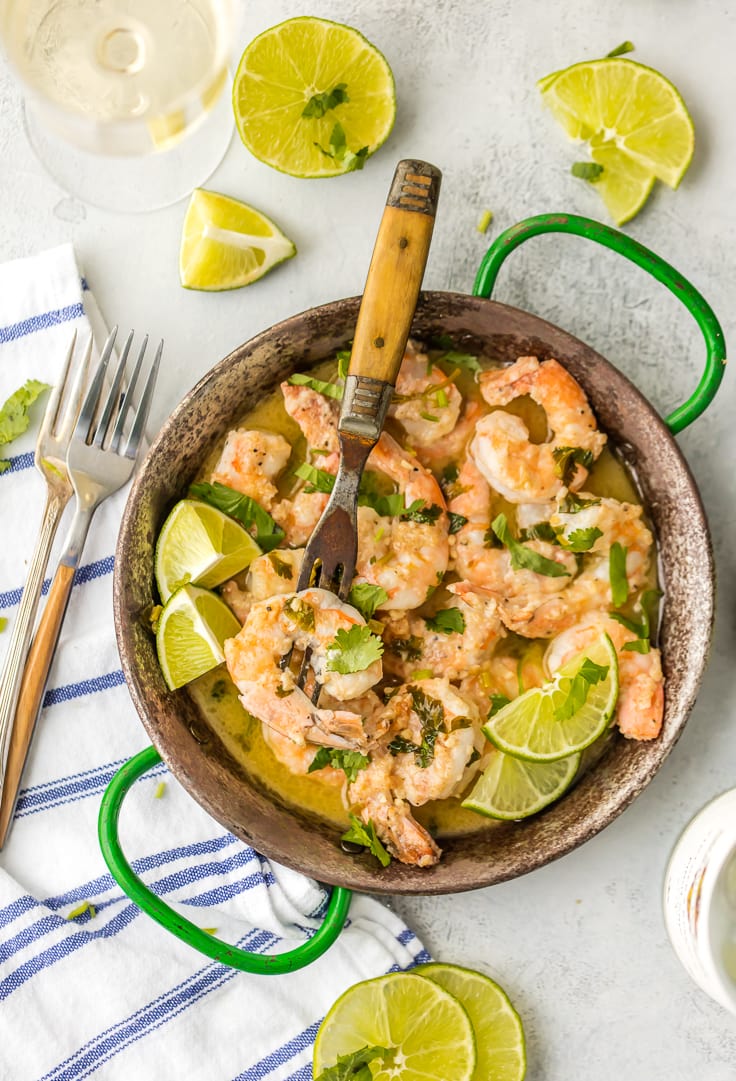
(301, 620)
(617, 523)
(412, 644)
(433, 717)
(297, 758)
(426, 403)
(250, 463)
(274, 573)
(453, 447)
(317, 416)
(522, 471)
(405, 556)
(640, 705)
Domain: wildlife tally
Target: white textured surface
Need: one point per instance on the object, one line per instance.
(580, 945)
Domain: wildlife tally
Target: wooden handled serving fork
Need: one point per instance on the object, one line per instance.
(384, 320)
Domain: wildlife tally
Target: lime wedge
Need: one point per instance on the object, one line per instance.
(620, 105)
(191, 631)
(226, 244)
(200, 544)
(328, 69)
(499, 1036)
(539, 725)
(424, 1032)
(511, 788)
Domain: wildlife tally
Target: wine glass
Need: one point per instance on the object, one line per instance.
(124, 98)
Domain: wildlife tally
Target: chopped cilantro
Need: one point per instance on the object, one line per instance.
(353, 650)
(319, 104)
(617, 574)
(300, 612)
(364, 833)
(447, 621)
(258, 522)
(572, 503)
(339, 151)
(318, 480)
(366, 598)
(409, 649)
(566, 458)
(355, 1066)
(431, 714)
(350, 762)
(330, 390)
(540, 531)
(525, 558)
(576, 689)
(461, 360)
(581, 540)
(450, 474)
(457, 521)
(14, 417)
(498, 701)
(639, 645)
(282, 568)
(587, 170)
(418, 511)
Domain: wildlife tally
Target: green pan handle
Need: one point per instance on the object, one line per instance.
(637, 253)
(126, 877)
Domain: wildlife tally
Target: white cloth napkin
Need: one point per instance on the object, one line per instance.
(114, 995)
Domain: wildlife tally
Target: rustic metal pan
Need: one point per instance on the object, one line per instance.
(498, 851)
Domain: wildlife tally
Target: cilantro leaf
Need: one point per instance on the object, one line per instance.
(572, 503)
(14, 418)
(624, 47)
(339, 151)
(639, 645)
(457, 521)
(566, 458)
(366, 598)
(318, 480)
(330, 390)
(461, 360)
(617, 574)
(409, 649)
(587, 170)
(576, 689)
(581, 540)
(350, 762)
(282, 568)
(498, 701)
(354, 1067)
(319, 104)
(258, 522)
(353, 650)
(364, 833)
(525, 558)
(540, 531)
(300, 612)
(447, 621)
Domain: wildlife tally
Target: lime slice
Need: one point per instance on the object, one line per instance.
(622, 105)
(535, 725)
(191, 631)
(226, 244)
(302, 61)
(511, 788)
(425, 1031)
(200, 544)
(499, 1035)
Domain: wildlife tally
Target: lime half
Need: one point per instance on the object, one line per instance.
(499, 1036)
(191, 631)
(226, 244)
(331, 73)
(424, 1032)
(512, 788)
(568, 713)
(619, 105)
(200, 544)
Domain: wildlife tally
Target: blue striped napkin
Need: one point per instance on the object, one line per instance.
(111, 994)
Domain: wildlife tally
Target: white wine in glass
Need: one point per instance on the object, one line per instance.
(119, 78)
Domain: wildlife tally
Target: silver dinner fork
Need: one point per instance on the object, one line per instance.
(100, 459)
(52, 443)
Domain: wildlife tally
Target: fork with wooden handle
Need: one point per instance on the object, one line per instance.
(101, 457)
(384, 320)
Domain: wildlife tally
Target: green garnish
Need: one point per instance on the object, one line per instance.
(418, 511)
(160, 789)
(640, 645)
(587, 676)
(343, 363)
(581, 540)
(566, 458)
(318, 480)
(462, 360)
(350, 762)
(409, 649)
(300, 612)
(642, 628)
(484, 221)
(354, 1067)
(258, 522)
(319, 104)
(525, 558)
(364, 833)
(450, 474)
(330, 390)
(339, 150)
(457, 521)
(86, 906)
(14, 416)
(422, 673)
(430, 417)
(586, 170)
(541, 531)
(431, 714)
(219, 690)
(282, 568)
(447, 621)
(617, 574)
(624, 47)
(498, 701)
(572, 503)
(442, 400)
(366, 598)
(353, 650)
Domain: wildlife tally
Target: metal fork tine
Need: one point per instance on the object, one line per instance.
(75, 398)
(141, 416)
(113, 394)
(92, 400)
(128, 399)
(52, 409)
